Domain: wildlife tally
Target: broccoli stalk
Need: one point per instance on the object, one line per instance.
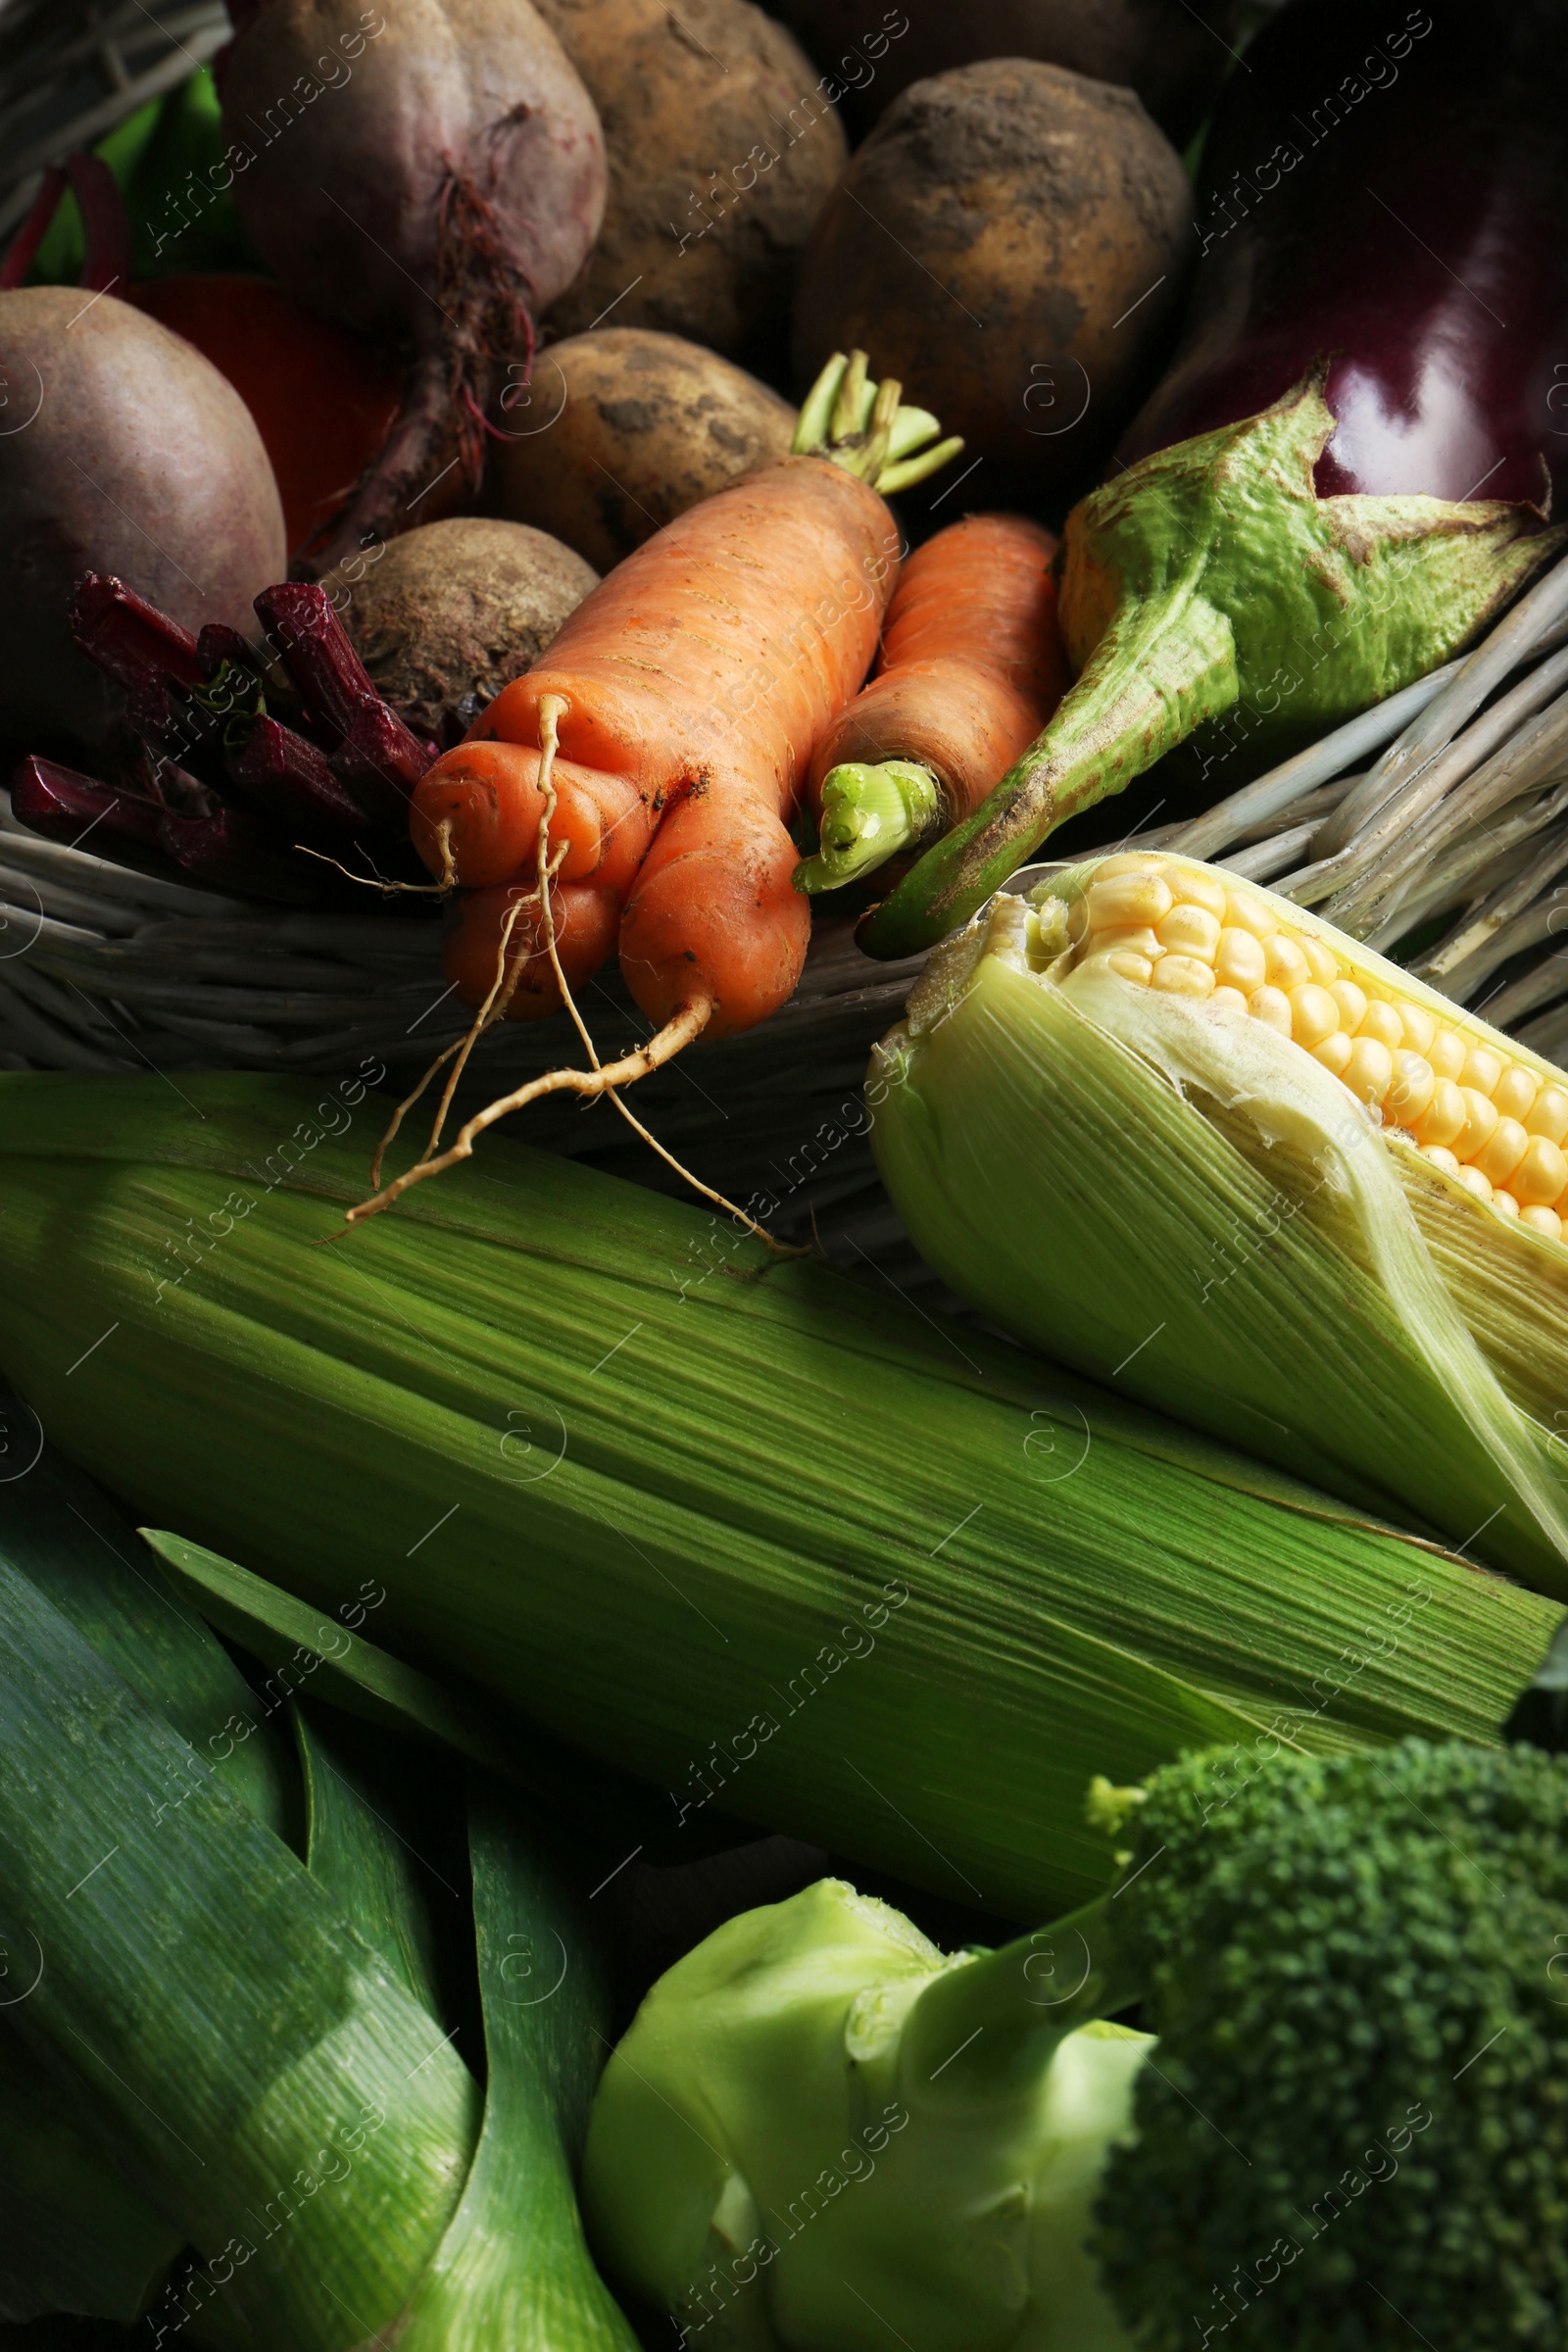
(1352, 2133)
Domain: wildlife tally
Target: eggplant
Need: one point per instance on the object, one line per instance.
(1346, 470)
(1397, 205)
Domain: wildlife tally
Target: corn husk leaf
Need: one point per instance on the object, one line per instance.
(748, 1528)
(1192, 1208)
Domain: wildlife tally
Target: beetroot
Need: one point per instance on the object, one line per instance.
(434, 176)
(122, 449)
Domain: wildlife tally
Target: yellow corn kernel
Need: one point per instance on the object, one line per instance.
(1239, 961)
(1515, 1092)
(1125, 963)
(1474, 1182)
(1334, 1052)
(1197, 890)
(1409, 1098)
(1505, 1202)
(1543, 1221)
(1480, 1120)
(1286, 965)
(1444, 1121)
(1482, 1069)
(1436, 1152)
(1228, 1000)
(1503, 1151)
(1248, 914)
(1321, 961)
(1184, 976)
(1129, 862)
(1549, 1115)
(1314, 1016)
(1351, 1002)
(1542, 1176)
(1420, 1028)
(1447, 1053)
(1369, 1072)
(1273, 1006)
(1381, 1020)
(1189, 930)
(1139, 937)
(1138, 898)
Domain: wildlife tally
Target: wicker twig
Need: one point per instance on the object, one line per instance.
(70, 73)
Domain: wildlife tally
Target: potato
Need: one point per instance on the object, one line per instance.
(722, 150)
(452, 612)
(1010, 243)
(1173, 54)
(632, 429)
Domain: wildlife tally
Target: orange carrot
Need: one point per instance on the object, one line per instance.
(696, 680)
(972, 665)
(656, 754)
(586, 917)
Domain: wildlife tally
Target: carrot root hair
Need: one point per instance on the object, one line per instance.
(389, 889)
(688, 1022)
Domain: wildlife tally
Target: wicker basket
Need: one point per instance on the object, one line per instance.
(70, 73)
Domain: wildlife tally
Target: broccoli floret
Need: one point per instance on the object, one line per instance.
(1349, 2134)
(1353, 2134)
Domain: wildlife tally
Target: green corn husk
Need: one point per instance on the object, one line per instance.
(743, 1527)
(1194, 1210)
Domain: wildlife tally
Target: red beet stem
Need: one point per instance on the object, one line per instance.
(283, 778)
(129, 639)
(234, 851)
(376, 750)
(30, 235)
(63, 805)
(218, 644)
(229, 850)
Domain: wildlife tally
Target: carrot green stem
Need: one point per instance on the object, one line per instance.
(862, 426)
(869, 812)
(1161, 667)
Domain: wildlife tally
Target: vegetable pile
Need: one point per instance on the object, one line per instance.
(973, 1751)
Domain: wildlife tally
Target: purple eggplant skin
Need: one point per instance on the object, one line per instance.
(1389, 188)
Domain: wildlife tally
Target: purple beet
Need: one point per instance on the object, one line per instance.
(123, 450)
(434, 176)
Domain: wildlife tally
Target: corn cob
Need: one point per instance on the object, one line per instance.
(1475, 1106)
(1258, 1175)
(577, 1433)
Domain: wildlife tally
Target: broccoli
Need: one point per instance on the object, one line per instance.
(1347, 2130)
